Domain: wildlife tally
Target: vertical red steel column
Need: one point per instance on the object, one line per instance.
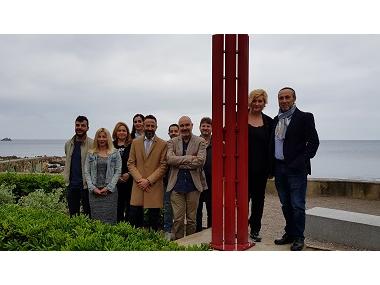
(230, 140)
(217, 142)
(242, 142)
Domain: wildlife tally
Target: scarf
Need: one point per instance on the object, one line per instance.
(283, 122)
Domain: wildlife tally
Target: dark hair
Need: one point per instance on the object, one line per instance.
(150, 117)
(205, 120)
(81, 119)
(173, 125)
(289, 88)
(133, 132)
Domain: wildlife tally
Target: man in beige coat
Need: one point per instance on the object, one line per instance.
(186, 157)
(147, 165)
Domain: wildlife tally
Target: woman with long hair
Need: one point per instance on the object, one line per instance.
(138, 126)
(102, 171)
(122, 142)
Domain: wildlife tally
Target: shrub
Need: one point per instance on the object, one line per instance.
(6, 194)
(38, 229)
(41, 200)
(27, 183)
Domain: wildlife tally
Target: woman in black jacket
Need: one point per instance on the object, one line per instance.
(122, 142)
(259, 133)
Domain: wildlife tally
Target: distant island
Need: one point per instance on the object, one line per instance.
(6, 140)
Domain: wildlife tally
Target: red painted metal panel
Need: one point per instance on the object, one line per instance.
(230, 140)
(242, 142)
(217, 142)
(230, 144)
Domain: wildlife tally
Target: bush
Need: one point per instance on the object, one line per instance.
(27, 183)
(37, 229)
(6, 194)
(41, 200)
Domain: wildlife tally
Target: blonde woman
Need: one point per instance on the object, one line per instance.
(259, 133)
(122, 142)
(102, 171)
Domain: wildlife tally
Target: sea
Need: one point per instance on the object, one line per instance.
(335, 159)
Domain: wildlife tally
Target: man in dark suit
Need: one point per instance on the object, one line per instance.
(294, 142)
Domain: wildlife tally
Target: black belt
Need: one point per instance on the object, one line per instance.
(280, 161)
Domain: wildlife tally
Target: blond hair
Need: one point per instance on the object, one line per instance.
(110, 147)
(257, 93)
(128, 139)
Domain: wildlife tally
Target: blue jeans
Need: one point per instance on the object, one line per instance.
(168, 213)
(291, 189)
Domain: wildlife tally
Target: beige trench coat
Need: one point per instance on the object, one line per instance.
(152, 167)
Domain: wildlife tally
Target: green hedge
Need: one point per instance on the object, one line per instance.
(38, 229)
(27, 183)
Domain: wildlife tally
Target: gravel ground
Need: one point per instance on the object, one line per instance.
(273, 221)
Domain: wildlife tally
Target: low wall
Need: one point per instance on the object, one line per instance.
(44, 164)
(367, 190)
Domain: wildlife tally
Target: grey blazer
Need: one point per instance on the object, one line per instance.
(193, 160)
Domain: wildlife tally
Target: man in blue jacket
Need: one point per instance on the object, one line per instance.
(294, 142)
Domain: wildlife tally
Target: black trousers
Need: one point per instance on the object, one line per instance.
(76, 195)
(205, 197)
(256, 190)
(123, 201)
(136, 217)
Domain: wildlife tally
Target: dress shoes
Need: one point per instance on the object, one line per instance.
(284, 240)
(297, 245)
(255, 236)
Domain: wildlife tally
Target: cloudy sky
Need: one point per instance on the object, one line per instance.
(47, 80)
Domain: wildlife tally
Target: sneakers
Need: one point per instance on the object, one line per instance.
(284, 240)
(255, 236)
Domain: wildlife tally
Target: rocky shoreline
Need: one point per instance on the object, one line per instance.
(43, 164)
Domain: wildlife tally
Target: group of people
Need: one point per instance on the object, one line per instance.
(131, 176)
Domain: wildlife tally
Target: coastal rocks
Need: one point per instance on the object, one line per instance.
(6, 140)
(52, 167)
(9, 157)
(45, 164)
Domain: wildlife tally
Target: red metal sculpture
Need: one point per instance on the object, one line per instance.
(230, 142)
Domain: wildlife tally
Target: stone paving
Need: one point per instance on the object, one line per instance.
(273, 222)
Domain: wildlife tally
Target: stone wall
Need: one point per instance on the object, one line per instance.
(45, 164)
(367, 190)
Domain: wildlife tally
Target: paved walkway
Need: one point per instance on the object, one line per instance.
(273, 222)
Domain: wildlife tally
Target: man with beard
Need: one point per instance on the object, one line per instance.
(76, 151)
(186, 157)
(147, 165)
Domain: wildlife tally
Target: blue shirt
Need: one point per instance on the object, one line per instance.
(76, 179)
(184, 183)
(279, 149)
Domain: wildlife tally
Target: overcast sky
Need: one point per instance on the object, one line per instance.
(47, 80)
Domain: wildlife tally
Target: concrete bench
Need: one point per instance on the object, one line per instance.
(349, 228)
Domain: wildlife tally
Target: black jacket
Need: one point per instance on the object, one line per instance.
(300, 144)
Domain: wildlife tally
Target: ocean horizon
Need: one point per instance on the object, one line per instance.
(339, 159)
